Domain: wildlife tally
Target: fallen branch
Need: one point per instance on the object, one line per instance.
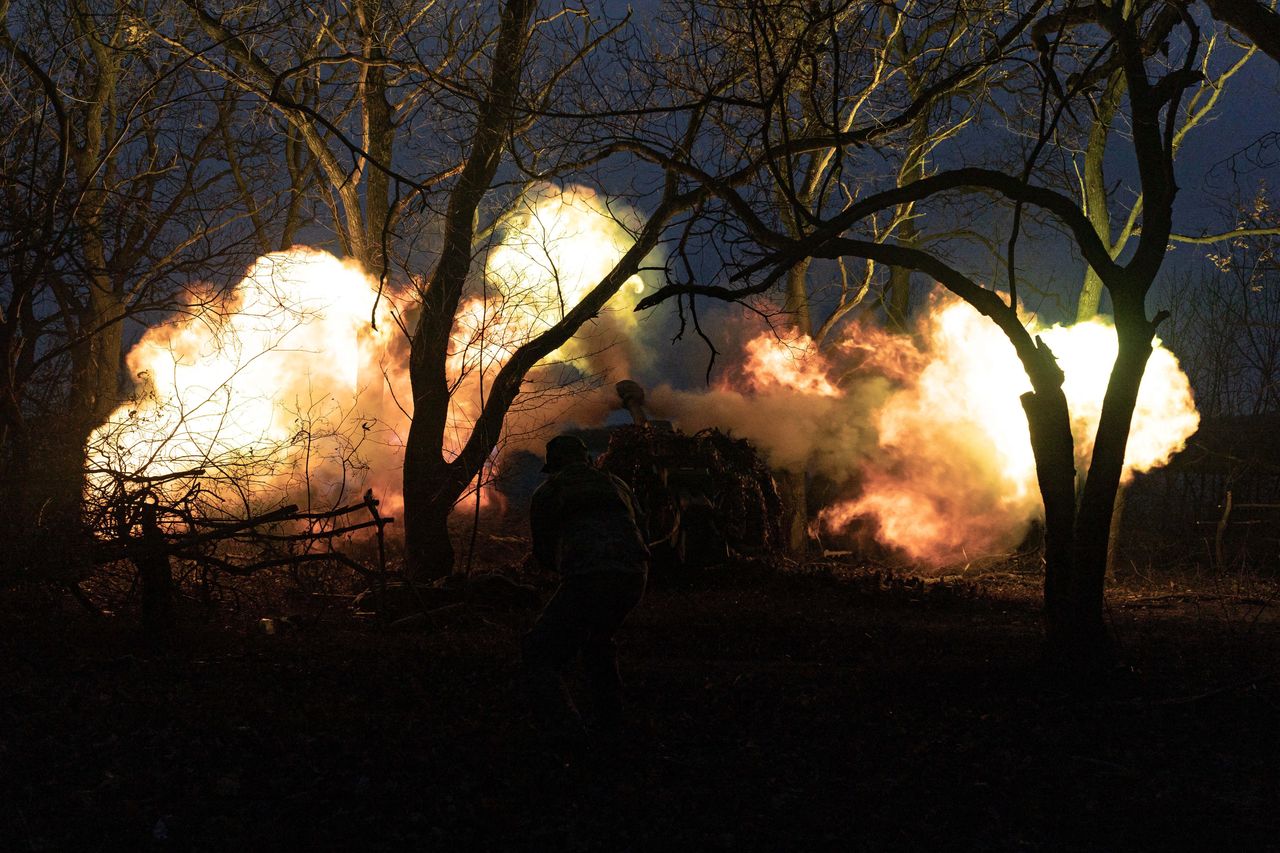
(252, 568)
(322, 534)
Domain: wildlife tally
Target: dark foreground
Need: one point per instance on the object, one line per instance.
(772, 712)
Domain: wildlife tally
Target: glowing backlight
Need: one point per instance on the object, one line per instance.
(951, 475)
(285, 390)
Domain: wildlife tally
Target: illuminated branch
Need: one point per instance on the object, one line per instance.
(1225, 235)
(506, 384)
(362, 227)
(928, 97)
(1062, 206)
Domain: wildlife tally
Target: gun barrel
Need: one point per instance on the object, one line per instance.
(631, 394)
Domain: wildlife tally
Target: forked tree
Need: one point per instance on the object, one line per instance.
(425, 122)
(1075, 52)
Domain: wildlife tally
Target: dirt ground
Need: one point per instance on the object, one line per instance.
(819, 707)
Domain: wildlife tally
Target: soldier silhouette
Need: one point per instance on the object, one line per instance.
(585, 528)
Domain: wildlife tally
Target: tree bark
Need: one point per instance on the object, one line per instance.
(1097, 503)
(1095, 192)
(791, 484)
(430, 481)
(428, 545)
(795, 524)
(898, 299)
(1054, 449)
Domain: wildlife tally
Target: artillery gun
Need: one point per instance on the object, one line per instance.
(706, 496)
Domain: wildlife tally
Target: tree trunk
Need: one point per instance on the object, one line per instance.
(155, 578)
(57, 542)
(1113, 538)
(898, 299)
(1054, 449)
(795, 522)
(796, 302)
(428, 501)
(55, 484)
(379, 137)
(1096, 192)
(1090, 297)
(898, 303)
(791, 484)
(1096, 206)
(1097, 505)
(95, 391)
(431, 485)
(429, 541)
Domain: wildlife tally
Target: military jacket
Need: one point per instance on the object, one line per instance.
(586, 520)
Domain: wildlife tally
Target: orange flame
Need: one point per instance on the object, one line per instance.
(275, 391)
(927, 430)
(772, 362)
(953, 475)
(284, 391)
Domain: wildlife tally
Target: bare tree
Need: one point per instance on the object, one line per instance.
(1102, 39)
(885, 85)
(113, 184)
(430, 119)
(1227, 320)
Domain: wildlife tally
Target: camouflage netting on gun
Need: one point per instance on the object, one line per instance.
(748, 510)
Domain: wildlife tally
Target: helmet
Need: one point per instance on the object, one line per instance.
(564, 450)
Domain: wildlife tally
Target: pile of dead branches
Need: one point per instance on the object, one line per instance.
(161, 532)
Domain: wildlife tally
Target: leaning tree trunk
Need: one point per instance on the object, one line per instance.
(432, 485)
(1053, 446)
(1097, 503)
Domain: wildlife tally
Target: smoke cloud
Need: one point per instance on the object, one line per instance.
(925, 433)
(283, 392)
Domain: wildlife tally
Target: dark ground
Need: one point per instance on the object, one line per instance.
(808, 709)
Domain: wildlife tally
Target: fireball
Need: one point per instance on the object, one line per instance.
(555, 248)
(927, 431)
(272, 390)
(285, 391)
(788, 362)
(954, 475)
